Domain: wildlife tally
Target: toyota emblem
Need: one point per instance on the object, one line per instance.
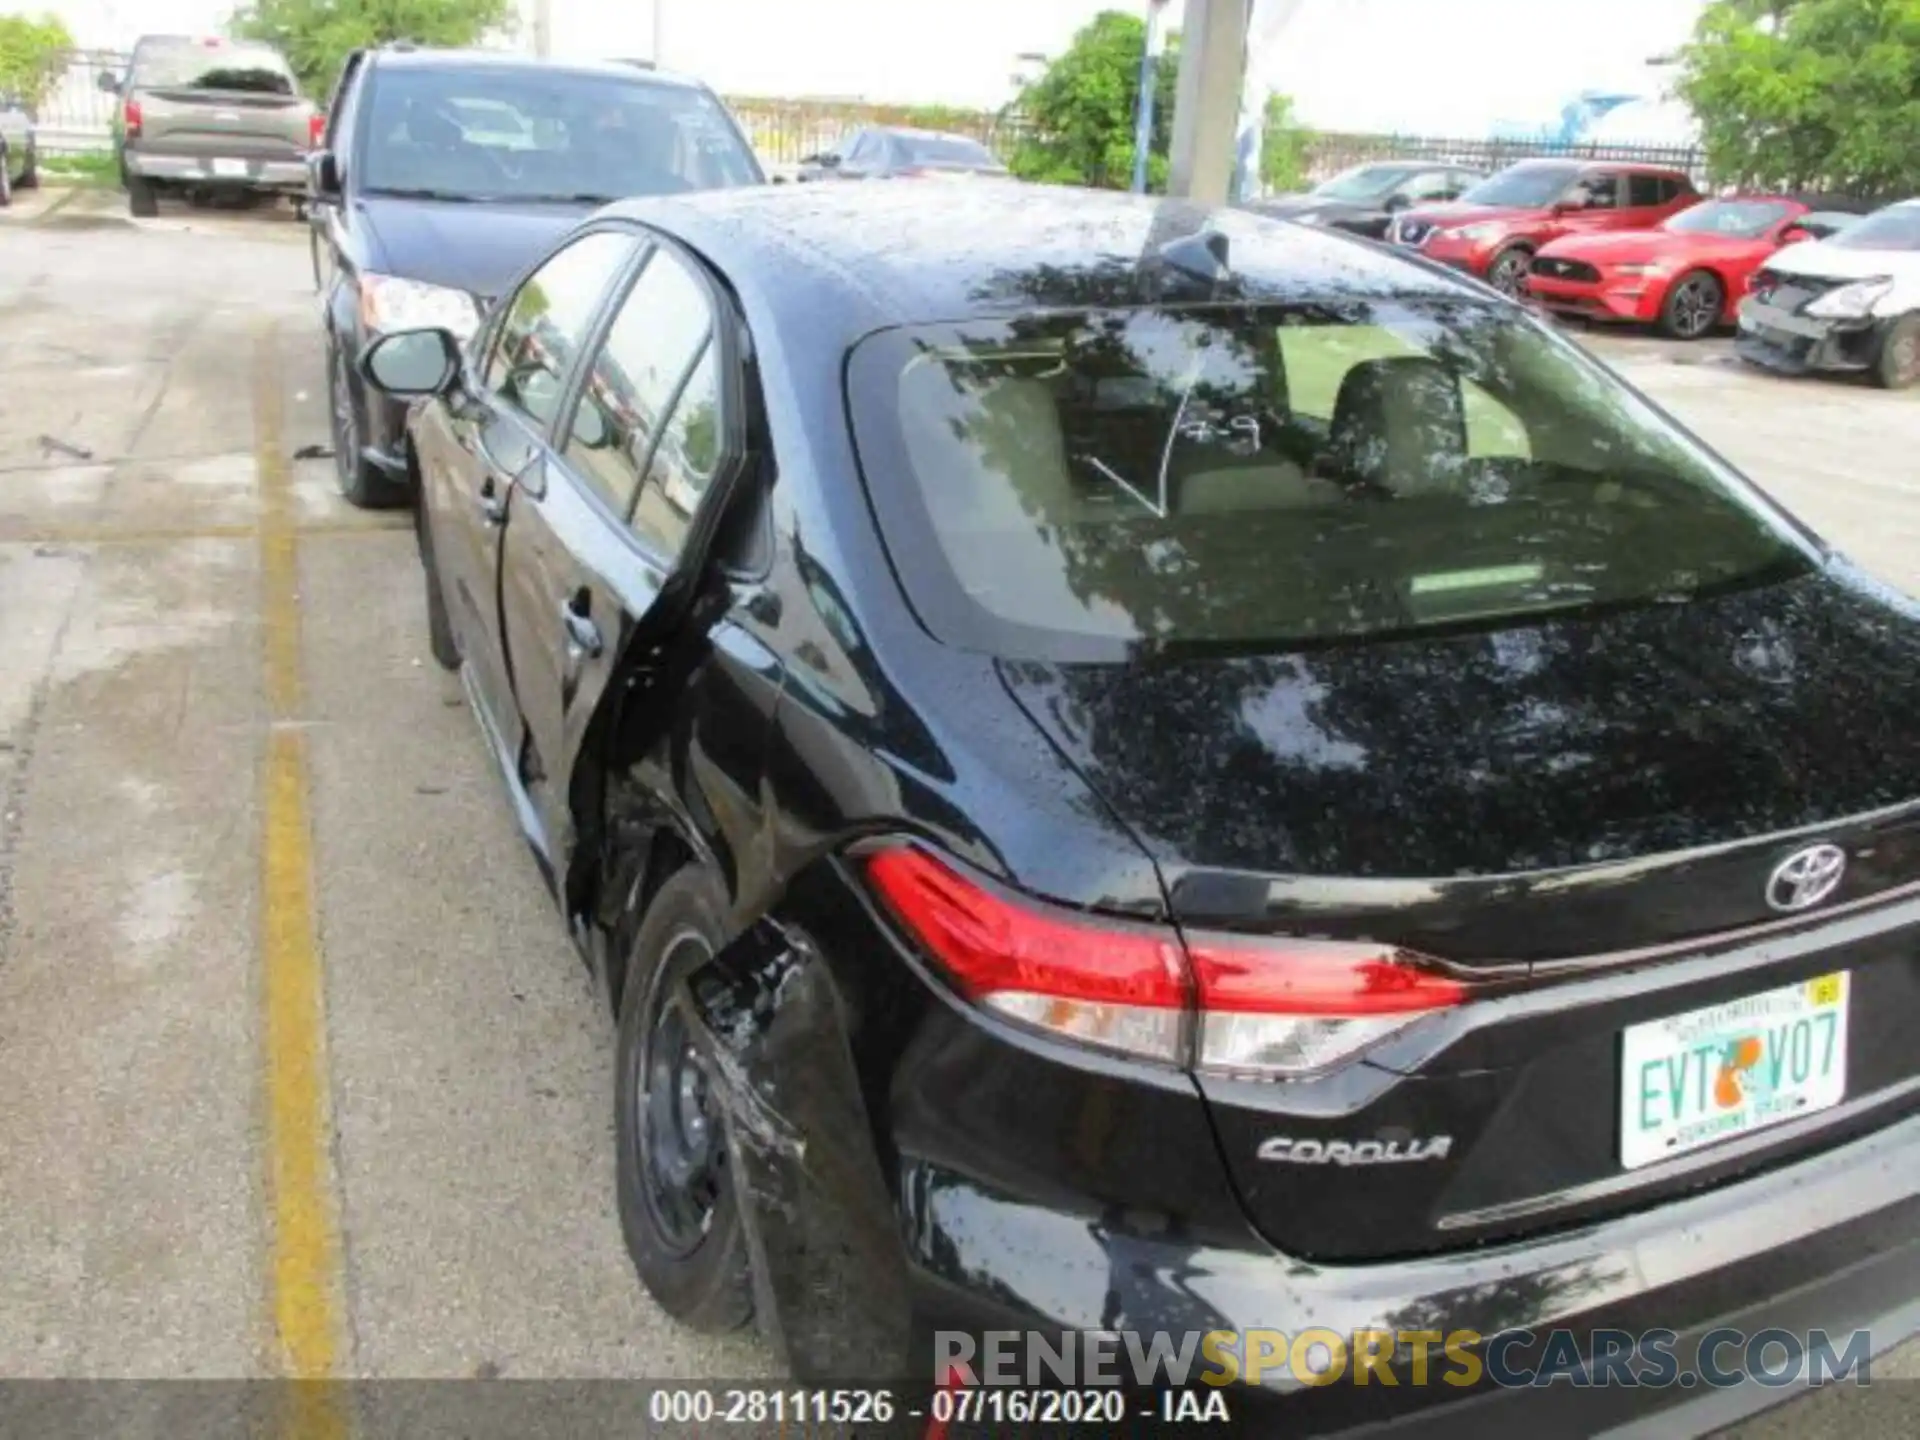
(1806, 877)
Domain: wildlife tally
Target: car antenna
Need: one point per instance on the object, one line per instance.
(1203, 256)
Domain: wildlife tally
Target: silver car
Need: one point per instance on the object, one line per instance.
(209, 116)
(17, 159)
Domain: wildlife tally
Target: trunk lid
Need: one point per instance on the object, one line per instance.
(241, 123)
(1585, 817)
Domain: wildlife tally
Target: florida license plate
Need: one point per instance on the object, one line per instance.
(230, 169)
(1709, 1075)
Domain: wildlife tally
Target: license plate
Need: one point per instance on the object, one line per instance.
(1758, 315)
(1709, 1075)
(230, 169)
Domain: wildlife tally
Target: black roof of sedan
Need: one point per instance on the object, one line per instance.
(864, 257)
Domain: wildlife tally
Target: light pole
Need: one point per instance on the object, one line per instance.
(659, 30)
(1143, 105)
(543, 28)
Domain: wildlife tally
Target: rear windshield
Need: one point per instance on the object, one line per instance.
(946, 150)
(1363, 182)
(1085, 486)
(1895, 228)
(194, 65)
(1529, 185)
(494, 133)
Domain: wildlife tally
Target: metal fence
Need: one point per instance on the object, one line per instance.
(77, 116)
(1327, 154)
(784, 131)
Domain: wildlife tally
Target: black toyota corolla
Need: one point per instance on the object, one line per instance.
(1130, 768)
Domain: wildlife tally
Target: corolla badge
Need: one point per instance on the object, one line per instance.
(1354, 1152)
(1806, 877)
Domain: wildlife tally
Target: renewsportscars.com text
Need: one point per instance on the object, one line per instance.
(1456, 1358)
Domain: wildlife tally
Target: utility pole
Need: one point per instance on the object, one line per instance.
(659, 32)
(543, 28)
(1215, 120)
(1206, 112)
(1143, 104)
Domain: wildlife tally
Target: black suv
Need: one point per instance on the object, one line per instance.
(442, 173)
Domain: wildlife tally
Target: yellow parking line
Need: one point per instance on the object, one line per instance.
(306, 1271)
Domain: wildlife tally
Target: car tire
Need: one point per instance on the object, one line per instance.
(678, 1210)
(357, 478)
(29, 178)
(1898, 364)
(1507, 272)
(440, 636)
(6, 178)
(143, 201)
(1695, 304)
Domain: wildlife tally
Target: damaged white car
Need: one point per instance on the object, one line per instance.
(1848, 303)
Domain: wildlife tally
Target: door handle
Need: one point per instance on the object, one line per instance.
(493, 506)
(583, 636)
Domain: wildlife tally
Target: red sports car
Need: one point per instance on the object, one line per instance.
(1686, 276)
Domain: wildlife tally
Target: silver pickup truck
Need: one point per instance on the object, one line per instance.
(203, 116)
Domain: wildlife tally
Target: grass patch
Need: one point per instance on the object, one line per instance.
(91, 168)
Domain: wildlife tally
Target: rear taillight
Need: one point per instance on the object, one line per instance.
(1108, 984)
(316, 131)
(1269, 1009)
(130, 119)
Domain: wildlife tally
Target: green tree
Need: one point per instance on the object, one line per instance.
(1804, 93)
(316, 36)
(32, 56)
(1283, 147)
(1080, 112)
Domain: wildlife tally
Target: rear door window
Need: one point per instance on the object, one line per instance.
(645, 434)
(1649, 190)
(1068, 487)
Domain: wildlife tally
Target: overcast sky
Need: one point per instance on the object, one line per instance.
(1432, 65)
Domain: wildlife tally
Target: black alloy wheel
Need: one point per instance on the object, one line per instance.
(1508, 272)
(1693, 306)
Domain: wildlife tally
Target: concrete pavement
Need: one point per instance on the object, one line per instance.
(301, 1073)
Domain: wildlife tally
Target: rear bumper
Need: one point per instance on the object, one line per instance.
(1803, 345)
(1830, 1245)
(289, 176)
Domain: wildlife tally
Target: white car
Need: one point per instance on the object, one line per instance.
(1847, 303)
(16, 149)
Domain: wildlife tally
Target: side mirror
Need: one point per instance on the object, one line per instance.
(828, 161)
(323, 175)
(1794, 235)
(109, 82)
(412, 364)
(1397, 203)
